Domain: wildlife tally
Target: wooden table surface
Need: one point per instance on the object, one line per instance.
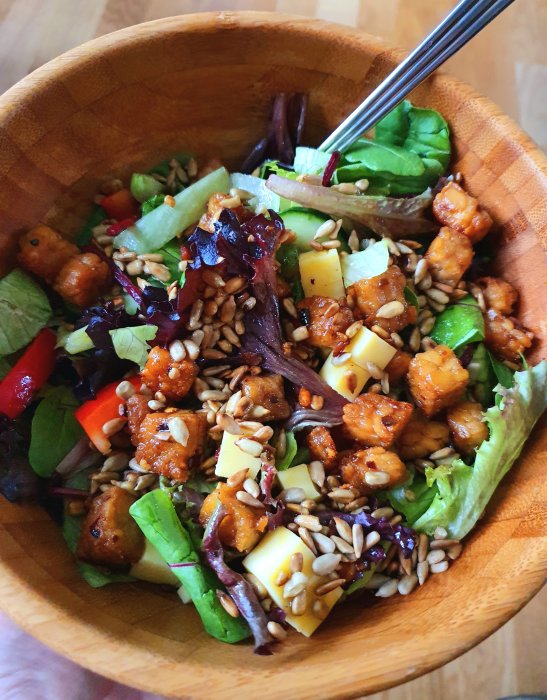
(507, 62)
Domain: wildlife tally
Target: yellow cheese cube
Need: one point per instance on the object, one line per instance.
(232, 459)
(366, 346)
(298, 477)
(271, 556)
(152, 567)
(321, 274)
(347, 379)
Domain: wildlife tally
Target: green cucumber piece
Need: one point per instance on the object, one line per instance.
(162, 224)
(304, 222)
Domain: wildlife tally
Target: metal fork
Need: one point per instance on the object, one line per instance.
(458, 27)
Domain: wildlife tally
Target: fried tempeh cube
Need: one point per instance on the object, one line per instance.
(82, 279)
(376, 420)
(168, 457)
(421, 437)
(397, 368)
(436, 379)
(268, 391)
(467, 426)
(449, 255)
(373, 293)
(137, 409)
(109, 536)
(44, 252)
(372, 470)
(498, 294)
(505, 337)
(172, 378)
(322, 446)
(454, 207)
(327, 321)
(243, 525)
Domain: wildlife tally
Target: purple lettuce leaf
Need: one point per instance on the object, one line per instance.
(284, 132)
(266, 484)
(404, 537)
(239, 588)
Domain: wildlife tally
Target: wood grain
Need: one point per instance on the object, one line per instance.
(126, 101)
(506, 62)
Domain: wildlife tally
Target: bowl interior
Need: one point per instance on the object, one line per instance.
(203, 84)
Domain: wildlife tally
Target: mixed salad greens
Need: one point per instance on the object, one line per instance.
(272, 388)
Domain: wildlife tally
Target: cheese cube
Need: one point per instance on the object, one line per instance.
(153, 567)
(232, 459)
(298, 477)
(321, 274)
(347, 379)
(366, 346)
(271, 556)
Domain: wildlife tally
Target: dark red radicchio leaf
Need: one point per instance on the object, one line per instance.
(404, 537)
(17, 480)
(284, 132)
(243, 594)
(263, 336)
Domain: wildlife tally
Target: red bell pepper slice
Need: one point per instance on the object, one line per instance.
(93, 414)
(120, 205)
(28, 375)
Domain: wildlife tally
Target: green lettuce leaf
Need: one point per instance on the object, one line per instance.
(424, 494)
(24, 310)
(54, 430)
(290, 453)
(157, 518)
(459, 324)
(4, 367)
(130, 343)
(464, 491)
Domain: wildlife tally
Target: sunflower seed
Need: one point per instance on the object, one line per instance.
(325, 564)
(227, 603)
(237, 478)
(388, 589)
(113, 426)
(435, 556)
(125, 390)
(372, 539)
(179, 430)
(317, 473)
(342, 545)
(454, 551)
(378, 478)
(296, 562)
(299, 604)
(390, 310)
(228, 424)
(309, 522)
(407, 584)
(442, 544)
(293, 495)
(277, 632)
(343, 529)
(305, 536)
(329, 586)
(422, 570)
(250, 447)
(423, 546)
(439, 568)
(251, 487)
(295, 585)
(324, 543)
(249, 500)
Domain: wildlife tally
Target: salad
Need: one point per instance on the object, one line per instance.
(271, 389)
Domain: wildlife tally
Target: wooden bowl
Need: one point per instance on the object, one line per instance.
(204, 83)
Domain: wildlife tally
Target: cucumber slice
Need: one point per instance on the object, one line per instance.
(162, 224)
(304, 222)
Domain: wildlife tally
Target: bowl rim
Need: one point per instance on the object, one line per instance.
(34, 613)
